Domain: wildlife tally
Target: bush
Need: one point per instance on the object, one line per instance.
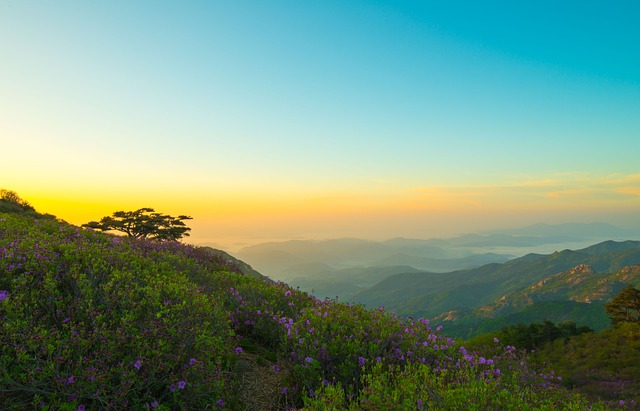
(90, 320)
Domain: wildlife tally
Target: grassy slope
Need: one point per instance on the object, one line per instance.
(94, 321)
(432, 294)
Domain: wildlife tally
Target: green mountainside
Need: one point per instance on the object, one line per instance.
(577, 295)
(518, 287)
(93, 321)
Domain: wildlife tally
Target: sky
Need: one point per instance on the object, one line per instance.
(324, 119)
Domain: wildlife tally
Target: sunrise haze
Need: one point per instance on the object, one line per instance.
(290, 119)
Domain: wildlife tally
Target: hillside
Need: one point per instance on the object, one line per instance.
(91, 321)
(452, 296)
(240, 266)
(577, 295)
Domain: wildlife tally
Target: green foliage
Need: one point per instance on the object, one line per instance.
(419, 386)
(534, 335)
(144, 223)
(10, 202)
(603, 365)
(94, 321)
(556, 311)
(625, 307)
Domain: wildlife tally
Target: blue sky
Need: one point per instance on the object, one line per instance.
(320, 119)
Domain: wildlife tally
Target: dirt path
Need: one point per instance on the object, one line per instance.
(260, 384)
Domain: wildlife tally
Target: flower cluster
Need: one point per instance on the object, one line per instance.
(98, 321)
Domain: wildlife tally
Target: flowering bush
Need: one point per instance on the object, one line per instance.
(91, 320)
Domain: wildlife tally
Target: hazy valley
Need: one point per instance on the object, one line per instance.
(472, 283)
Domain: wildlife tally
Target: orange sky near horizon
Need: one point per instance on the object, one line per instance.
(282, 120)
(230, 219)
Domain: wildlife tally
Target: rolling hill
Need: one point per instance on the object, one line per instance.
(515, 286)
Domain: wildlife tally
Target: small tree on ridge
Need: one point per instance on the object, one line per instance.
(144, 223)
(625, 307)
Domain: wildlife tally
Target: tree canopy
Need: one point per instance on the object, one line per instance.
(10, 201)
(144, 223)
(625, 307)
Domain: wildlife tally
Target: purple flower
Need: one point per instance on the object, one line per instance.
(284, 391)
(138, 364)
(496, 340)
(192, 361)
(238, 350)
(361, 361)
(181, 385)
(172, 388)
(71, 380)
(81, 407)
(276, 368)
(154, 404)
(287, 294)
(3, 295)
(220, 403)
(309, 359)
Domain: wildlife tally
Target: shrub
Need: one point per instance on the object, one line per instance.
(90, 320)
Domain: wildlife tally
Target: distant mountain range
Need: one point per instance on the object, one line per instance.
(590, 276)
(319, 266)
(341, 267)
(460, 281)
(578, 294)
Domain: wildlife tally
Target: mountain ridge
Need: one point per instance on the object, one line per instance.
(432, 294)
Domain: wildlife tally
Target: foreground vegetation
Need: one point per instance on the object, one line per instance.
(94, 321)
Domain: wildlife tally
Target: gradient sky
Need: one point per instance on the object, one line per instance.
(322, 119)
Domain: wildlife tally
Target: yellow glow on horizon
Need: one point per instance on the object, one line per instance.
(366, 211)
